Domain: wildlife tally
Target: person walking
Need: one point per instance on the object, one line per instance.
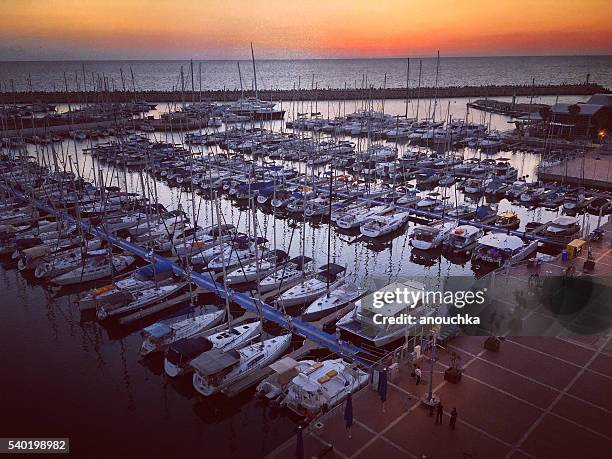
(453, 419)
(417, 375)
(439, 412)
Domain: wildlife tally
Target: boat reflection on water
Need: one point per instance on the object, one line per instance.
(426, 258)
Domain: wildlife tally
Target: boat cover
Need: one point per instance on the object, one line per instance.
(186, 349)
(158, 330)
(300, 261)
(214, 361)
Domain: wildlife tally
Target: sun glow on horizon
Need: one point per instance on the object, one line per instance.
(164, 29)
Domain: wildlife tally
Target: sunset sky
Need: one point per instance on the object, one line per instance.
(218, 29)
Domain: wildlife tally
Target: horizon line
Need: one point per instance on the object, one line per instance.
(490, 56)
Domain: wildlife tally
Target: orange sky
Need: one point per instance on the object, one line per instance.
(200, 29)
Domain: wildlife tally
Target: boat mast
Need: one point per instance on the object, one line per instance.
(241, 87)
(254, 71)
(407, 85)
(419, 89)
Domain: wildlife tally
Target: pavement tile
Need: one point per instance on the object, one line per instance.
(532, 364)
(593, 388)
(514, 384)
(584, 414)
(418, 434)
(382, 449)
(555, 438)
(497, 413)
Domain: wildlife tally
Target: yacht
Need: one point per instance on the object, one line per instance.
(426, 237)
(562, 229)
(500, 249)
(462, 239)
(140, 279)
(359, 215)
(181, 352)
(314, 387)
(216, 370)
(261, 267)
(362, 322)
(508, 220)
(241, 253)
(159, 336)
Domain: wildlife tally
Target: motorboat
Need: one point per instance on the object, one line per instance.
(160, 335)
(310, 388)
(181, 352)
(508, 220)
(462, 239)
(363, 322)
(427, 237)
(502, 249)
(562, 229)
(217, 370)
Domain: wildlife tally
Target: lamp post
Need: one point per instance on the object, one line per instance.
(431, 368)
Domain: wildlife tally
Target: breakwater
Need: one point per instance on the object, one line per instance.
(306, 94)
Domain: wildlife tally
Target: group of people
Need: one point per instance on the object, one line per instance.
(440, 412)
(417, 373)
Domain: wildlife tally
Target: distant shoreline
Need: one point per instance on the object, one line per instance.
(583, 89)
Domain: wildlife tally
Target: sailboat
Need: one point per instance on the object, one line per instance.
(159, 336)
(382, 225)
(328, 276)
(181, 352)
(333, 301)
(216, 370)
(94, 268)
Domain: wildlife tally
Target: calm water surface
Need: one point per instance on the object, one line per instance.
(307, 73)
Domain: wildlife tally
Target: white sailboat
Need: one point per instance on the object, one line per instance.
(264, 265)
(329, 276)
(381, 225)
(160, 335)
(358, 216)
(94, 269)
(333, 301)
(215, 370)
(296, 268)
(136, 300)
(181, 352)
